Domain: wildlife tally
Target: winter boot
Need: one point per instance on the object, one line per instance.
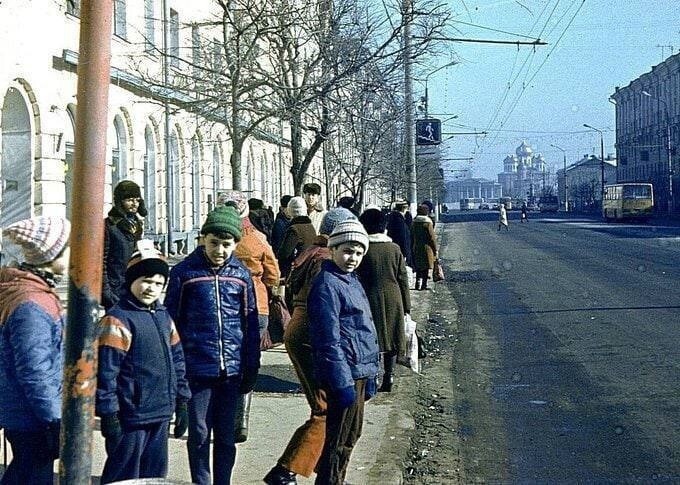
(242, 417)
(388, 377)
(280, 476)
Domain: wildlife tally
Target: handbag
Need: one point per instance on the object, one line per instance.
(279, 317)
(438, 271)
(410, 359)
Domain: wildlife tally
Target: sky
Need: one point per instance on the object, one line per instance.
(541, 94)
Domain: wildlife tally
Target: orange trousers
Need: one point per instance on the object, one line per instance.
(305, 446)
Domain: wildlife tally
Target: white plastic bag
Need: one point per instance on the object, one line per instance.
(411, 357)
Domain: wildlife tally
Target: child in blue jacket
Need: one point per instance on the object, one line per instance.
(140, 380)
(345, 348)
(211, 297)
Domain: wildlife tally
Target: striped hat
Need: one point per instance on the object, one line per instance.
(350, 230)
(145, 261)
(41, 239)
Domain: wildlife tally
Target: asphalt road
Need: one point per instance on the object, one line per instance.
(567, 366)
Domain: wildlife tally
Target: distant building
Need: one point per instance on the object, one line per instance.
(647, 112)
(584, 183)
(525, 174)
(472, 188)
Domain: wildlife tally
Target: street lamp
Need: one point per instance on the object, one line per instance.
(426, 97)
(566, 192)
(668, 151)
(601, 157)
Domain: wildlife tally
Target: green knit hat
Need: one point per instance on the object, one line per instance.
(223, 219)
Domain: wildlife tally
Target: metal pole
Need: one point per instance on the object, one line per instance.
(169, 174)
(85, 275)
(602, 167)
(566, 191)
(409, 125)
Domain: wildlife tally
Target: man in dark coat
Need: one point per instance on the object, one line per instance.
(123, 227)
(281, 223)
(399, 232)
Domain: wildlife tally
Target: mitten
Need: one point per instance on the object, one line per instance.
(110, 426)
(52, 438)
(371, 388)
(345, 397)
(181, 419)
(248, 380)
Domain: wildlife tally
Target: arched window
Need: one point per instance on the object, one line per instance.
(16, 159)
(150, 179)
(119, 152)
(195, 182)
(69, 144)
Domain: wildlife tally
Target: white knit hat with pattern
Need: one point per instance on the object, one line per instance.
(40, 238)
(350, 230)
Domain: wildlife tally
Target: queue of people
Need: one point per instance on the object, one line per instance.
(196, 354)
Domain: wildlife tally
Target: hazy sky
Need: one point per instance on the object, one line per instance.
(543, 94)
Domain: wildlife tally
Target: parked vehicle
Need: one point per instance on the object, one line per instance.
(548, 203)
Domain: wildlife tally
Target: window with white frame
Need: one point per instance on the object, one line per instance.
(149, 25)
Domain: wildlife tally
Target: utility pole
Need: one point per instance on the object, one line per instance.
(409, 124)
(566, 191)
(85, 272)
(169, 169)
(601, 158)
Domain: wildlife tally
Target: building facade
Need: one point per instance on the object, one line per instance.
(38, 82)
(472, 187)
(648, 131)
(583, 183)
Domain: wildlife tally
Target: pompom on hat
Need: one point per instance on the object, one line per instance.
(297, 207)
(238, 198)
(350, 230)
(334, 217)
(223, 219)
(41, 239)
(145, 261)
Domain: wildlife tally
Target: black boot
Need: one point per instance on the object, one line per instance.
(390, 360)
(242, 417)
(280, 476)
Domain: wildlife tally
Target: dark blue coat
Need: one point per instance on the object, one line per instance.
(141, 364)
(216, 316)
(343, 337)
(398, 230)
(281, 224)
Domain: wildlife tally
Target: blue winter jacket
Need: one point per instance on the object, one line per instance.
(31, 329)
(141, 364)
(343, 337)
(216, 316)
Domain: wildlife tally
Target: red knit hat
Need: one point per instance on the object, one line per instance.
(40, 238)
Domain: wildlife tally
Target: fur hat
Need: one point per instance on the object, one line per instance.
(284, 200)
(334, 217)
(41, 239)
(126, 189)
(374, 221)
(423, 210)
(240, 202)
(145, 261)
(255, 204)
(297, 207)
(223, 219)
(311, 188)
(350, 230)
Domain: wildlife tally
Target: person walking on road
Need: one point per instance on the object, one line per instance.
(524, 216)
(304, 448)
(502, 217)
(424, 244)
(211, 298)
(123, 227)
(383, 276)
(31, 355)
(345, 351)
(140, 377)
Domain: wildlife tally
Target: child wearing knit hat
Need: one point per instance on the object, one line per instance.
(31, 334)
(141, 377)
(340, 320)
(211, 298)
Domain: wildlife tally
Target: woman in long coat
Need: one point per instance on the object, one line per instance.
(424, 246)
(383, 276)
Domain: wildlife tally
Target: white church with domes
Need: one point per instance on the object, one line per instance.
(525, 174)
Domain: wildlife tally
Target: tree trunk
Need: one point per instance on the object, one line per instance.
(235, 161)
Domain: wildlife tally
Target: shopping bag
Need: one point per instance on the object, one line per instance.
(279, 317)
(410, 359)
(438, 271)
